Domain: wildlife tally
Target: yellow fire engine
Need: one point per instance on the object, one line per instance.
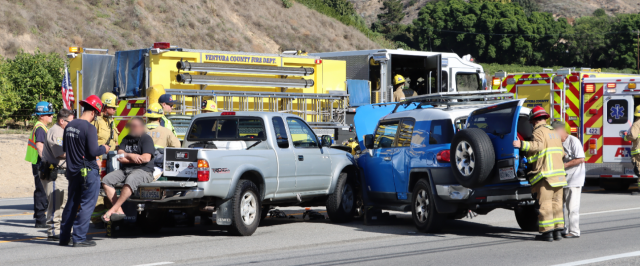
(582, 100)
(291, 82)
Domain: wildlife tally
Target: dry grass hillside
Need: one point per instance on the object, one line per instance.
(369, 9)
(578, 8)
(235, 25)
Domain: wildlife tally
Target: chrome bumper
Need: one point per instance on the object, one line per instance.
(172, 194)
(453, 192)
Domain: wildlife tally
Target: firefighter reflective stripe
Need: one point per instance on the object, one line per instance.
(634, 152)
(551, 173)
(32, 150)
(525, 146)
(545, 152)
(551, 222)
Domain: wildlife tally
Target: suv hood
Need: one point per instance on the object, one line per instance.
(367, 117)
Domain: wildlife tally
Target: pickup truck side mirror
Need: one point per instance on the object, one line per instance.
(368, 141)
(326, 141)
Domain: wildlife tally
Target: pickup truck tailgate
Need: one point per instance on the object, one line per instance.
(179, 162)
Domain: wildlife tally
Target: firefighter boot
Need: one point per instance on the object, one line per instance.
(557, 234)
(546, 236)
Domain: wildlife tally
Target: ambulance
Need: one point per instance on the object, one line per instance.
(596, 108)
(291, 82)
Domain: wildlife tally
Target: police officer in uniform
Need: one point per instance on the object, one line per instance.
(401, 92)
(80, 142)
(208, 106)
(167, 102)
(633, 135)
(547, 177)
(107, 135)
(35, 147)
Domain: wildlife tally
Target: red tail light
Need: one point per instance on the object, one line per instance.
(611, 85)
(318, 61)
(593, 144)
(103, 168)
(162, 45)
(228, 113)
(203, 171)
(444, 156)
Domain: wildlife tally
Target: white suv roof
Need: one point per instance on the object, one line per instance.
(436, 113)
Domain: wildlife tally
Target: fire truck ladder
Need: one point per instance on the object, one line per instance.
(319, 110)
(561, 92)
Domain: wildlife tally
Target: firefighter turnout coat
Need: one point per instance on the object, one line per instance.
(633, 135)
(544, 153)
(107, 131)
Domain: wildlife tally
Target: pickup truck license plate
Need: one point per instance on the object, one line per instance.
(507, 173)
(152, 193)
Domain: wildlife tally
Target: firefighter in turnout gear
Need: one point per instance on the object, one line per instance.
(35, 147)
(633, 135)
(161, 136)
(353, 144)
(107, 135)
(401, 92)
(547, 177)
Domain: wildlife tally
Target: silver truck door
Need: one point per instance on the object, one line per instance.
(313, 164)
(286, 157)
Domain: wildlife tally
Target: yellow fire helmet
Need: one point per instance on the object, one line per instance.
(637, 114)
(109, 100)
(397, 79)
(154, 111)
(209, 105)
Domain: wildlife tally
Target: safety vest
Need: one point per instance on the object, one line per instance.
(32, 150)
(168, 125)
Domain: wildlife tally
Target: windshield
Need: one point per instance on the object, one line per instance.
(494, 120)
(226, 128)
(468, 82)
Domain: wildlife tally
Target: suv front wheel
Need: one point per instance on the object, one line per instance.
(423, 208)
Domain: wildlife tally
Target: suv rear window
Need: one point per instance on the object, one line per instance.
(496, 121)
(226, 128)
(440, 131)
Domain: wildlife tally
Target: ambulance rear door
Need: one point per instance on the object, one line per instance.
(618, 117)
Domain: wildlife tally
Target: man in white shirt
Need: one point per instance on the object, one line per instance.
(575, 169)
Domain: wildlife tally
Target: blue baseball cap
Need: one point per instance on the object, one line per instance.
(166, 98)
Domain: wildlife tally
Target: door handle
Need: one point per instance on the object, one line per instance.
(388, 158)
(300, 158)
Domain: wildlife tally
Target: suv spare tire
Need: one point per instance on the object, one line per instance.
(472, 157)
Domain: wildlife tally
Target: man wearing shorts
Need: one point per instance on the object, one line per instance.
(135, 155)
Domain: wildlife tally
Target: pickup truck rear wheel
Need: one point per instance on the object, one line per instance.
(423, 208)
(341, 205)
(246, 209)
(472, 157)
(527, 218)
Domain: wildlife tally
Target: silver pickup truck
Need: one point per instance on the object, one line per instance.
(239, 164)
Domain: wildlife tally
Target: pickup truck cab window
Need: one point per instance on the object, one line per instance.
(233, 128)
(301, 134)
(281, 134)
(385, 134)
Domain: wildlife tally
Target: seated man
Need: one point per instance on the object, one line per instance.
(136, 167)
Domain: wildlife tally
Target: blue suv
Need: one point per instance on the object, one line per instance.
(441, 158)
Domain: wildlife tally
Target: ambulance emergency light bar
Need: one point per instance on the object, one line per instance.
(243, 81)
(459, 98)
(244, 69)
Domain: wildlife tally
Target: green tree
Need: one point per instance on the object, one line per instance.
(343, 7)
(599, 12)
(393, 12)
(389, 23)
(590, 42)
(529, 6)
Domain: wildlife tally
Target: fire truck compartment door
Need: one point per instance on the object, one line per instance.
(617, 114)
(536, 95)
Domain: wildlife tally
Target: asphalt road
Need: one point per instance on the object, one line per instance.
(610, 226)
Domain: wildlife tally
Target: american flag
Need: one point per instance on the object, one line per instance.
(67, 91)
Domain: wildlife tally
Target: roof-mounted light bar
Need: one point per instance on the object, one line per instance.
(242, 81)
(244, 69)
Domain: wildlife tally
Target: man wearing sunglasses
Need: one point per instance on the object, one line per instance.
(35, 147)
(135, 155)
(167, 102)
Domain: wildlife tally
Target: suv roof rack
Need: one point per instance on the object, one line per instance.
(459, 98)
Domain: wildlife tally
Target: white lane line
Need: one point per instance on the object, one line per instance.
(605, 258)
(620, 210)
(155, 263)
(14, 199)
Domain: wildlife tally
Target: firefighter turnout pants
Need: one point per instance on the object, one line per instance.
(57, 195)
(84, 196)
(39, 197)
(551, 216)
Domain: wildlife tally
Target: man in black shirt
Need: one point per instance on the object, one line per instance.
(136, 167)
(80, 142)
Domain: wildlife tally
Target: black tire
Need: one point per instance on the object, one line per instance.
(527, 218)
(151, 221)
(245, 191)
(614, 185)
(341, 205)
(423, 209)
(473, 170)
